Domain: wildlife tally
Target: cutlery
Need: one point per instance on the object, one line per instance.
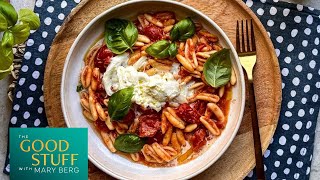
(246, 49)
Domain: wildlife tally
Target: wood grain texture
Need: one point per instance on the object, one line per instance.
(267, 80)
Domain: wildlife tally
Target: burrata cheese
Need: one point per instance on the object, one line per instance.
(149, 91)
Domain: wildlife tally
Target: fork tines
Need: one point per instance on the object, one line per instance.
(245, 43)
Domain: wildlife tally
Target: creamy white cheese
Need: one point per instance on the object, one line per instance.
(149, 91)
(110, 78)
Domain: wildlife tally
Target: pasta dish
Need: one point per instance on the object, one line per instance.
(157, 88)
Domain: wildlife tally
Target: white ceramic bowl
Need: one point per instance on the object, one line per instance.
(114, 164)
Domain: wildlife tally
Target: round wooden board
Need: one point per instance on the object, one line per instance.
(239, 159)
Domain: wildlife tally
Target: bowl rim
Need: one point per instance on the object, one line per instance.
(217, 28)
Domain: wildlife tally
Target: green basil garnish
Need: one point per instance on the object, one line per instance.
(6, 46)
(162, 49)
(129, 143)
(5, 63)
(7, 40)
(3, 23)
(21, 33)
(79, 88)
(8, 11)
(183, 30)
(120, 35)
(15, 32)
(120, 103)
(29, 17)
(217, 69)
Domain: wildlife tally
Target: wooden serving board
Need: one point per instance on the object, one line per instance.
(239, 159)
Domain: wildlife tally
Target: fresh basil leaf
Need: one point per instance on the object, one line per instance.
(129, 143)
(217, 69)
(29, 17)
(3, 23)
(183, 30)
(79, 88)
(21, 33)
(4, 73)
(7, 40)
(172, 50)
(162, 49)
(6, 46)
(120, 103)
(5, 62)
(120, 35)
(8, 11)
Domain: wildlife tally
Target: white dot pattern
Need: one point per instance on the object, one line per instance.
(294, 31)
(28, 107)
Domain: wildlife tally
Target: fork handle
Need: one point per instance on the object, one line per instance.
(256, 134)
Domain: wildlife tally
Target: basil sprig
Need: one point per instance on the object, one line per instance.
(120, 35)
(120, 103)
(21, 33)
(183, 30)
(16, 28)
(5, 63)
(3, 23)
(162, 49)
(8, 11)
(28, 17)
(217, 69)
(7, 41)
(129, 143)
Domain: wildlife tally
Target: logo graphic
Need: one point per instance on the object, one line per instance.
(48, 153)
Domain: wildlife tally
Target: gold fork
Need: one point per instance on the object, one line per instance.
(247, 56)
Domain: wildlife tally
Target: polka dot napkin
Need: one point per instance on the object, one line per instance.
(294, 31)
(28, 108)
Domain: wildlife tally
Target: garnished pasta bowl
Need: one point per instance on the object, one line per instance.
(158, 85)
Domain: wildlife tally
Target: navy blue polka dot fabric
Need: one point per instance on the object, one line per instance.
(294, 31)
(28, 107)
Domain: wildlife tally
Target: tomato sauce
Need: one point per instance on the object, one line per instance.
(198, 139)
(128, 119)
(200, 106)
(188, 114)
(102, 59)
(101, 125)
(158, 137)
(153, 32)
(224, 102)
(100, 94)
(149, 125)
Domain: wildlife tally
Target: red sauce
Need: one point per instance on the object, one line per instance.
(100, 94)
(200, 47)
(208, 89)
(224, 104)
(158, 137)
(149, 125)
(128, 119)
(188, 114)
(153, 32)
(164, 15)
(103, 58)
(200, 106)
(198, 139)
(101, 125)
(183, 73)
